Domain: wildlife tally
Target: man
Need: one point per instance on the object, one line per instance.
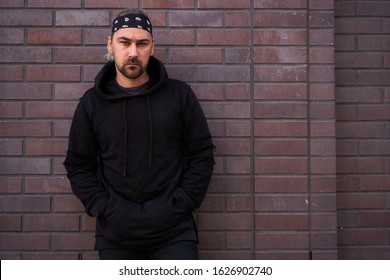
(140, 155)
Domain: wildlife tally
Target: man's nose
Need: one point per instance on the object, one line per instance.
(133, 50)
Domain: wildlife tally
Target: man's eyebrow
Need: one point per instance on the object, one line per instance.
(130, 40)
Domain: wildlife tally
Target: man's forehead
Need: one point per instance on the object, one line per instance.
(132, 34)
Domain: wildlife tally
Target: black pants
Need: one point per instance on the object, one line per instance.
(183, 250)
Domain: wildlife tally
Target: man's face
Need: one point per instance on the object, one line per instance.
(131, 49)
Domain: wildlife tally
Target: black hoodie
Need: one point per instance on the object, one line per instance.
(140, 163)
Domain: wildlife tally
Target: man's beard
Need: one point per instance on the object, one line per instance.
(132, 71)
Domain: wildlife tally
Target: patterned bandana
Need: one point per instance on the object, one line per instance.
(132, 21)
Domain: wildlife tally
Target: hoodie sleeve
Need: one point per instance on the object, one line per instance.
(199, 158)
(81, 163)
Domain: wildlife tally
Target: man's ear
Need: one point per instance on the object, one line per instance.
(109, 42)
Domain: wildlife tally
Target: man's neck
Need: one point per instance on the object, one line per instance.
(131, 83)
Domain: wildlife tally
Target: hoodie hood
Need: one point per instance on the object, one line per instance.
(107, 89)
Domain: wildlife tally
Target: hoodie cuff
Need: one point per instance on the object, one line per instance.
(99, 207)
(184, 200)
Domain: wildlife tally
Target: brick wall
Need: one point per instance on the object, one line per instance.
(264, 72)
(363, 131)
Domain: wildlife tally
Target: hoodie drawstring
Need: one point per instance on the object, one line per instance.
(124, 116)
(125, 136)
(150, 131)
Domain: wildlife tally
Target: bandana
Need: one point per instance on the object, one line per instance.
(132, 21)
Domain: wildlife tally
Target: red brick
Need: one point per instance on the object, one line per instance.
(323, 128)
(280, 91)
(12, 4)
(208, 91)
(10, 185)
(360, 130)
(280, 73)
(322, 74)
(25, 91)
(24, 166)
(230, 37)
(280, 55)
(10, 110)
(80, 55)
(280, 128)
(237, 92)
(168, 4)
(174, 37)
(358, 60)
(70, 91)
(26, 17)
(322, 92)
(11, 36)
(25, 242)
(264, 147)
(272, 222)
(10, 223)
(125, 4)
(324, 240)
(239, 203)
(61, 129)
(279, 37)
(373, 77)
(281, 203)
(360, 236)
(279, 19)
(232, 146)
(237, 55)
(58, 166)
(281, 184)
(238, 166)
(25, 203)
(269, 4)
(372, 8)
(11, 147)
(382, 253)
(239, 240)
(324, 221)
(226, 110)
(238, 128)
(224, 222)
(357, 25)
(322, 55)
(195, 56)
(375, 182)
(82, 17)
(23, 128)
(358, 95)
(53, 73)
(213, 203)
(321, 19)
(50, 109)
(237, 19)
(46, 223)
(46, 147)
(228, 184)
(377, 219)
(360, 201)
(280, 110)
(211, 241)
(322, 37)
(281, 165)
(67, 203)
(11, 73)
(282, 241)
(74, 241)
(196, 19)
(322, 110)
(223, 4)
(54, 36)
(49, 185)
(54, 4)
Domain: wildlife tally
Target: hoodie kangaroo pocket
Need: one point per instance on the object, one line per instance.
(126, 219)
